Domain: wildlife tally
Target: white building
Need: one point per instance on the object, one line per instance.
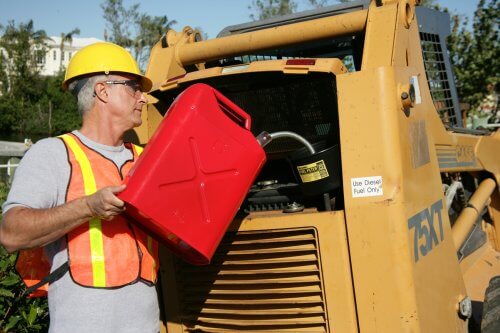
(55, 59)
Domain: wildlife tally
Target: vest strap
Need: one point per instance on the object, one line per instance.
(52, 277)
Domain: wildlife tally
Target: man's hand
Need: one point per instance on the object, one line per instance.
(104, 204)
(26, 228)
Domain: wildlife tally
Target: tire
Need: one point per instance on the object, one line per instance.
(490, 322)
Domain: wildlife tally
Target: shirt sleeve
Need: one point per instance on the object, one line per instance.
(41, 179)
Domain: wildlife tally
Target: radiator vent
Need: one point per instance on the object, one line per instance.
(258, 282)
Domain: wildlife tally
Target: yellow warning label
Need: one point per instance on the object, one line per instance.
(312, 172)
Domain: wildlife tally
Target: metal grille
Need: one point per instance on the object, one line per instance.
(438, 78)
(304, 104)
(258, 282)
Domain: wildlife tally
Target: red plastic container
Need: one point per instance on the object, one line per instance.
(194, 173)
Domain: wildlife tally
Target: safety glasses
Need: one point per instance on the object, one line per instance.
(132, 85)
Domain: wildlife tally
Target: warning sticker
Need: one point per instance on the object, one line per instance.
(313, 171)
(366, 187)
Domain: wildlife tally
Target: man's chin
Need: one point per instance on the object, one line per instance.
(137, 123)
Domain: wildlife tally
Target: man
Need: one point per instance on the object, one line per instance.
(489, 105)
(64, 199)
(487, 111)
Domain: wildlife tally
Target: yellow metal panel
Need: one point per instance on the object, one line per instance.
(379, 36)
(167, 62)
(414, 280)
(333, 273)
(339, 25)
(485, 149)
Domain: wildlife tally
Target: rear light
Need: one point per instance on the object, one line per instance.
(301, 62)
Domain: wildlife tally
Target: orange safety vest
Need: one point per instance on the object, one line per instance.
(101, 254)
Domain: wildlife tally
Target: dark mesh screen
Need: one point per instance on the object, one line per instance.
(304, 104)
(437, 76)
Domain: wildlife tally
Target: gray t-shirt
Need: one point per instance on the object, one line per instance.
(41, 181)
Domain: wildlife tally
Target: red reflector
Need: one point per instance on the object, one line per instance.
(308, 62)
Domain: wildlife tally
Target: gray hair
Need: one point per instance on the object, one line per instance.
(85, 96)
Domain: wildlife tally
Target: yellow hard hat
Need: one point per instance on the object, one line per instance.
(103, 58)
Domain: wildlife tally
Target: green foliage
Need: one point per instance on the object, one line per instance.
(322, 3)
(60, 113)
(474, 54)
(66, 38)
(429, 3)
(19, 74)
(30, 104)
(264, 9)
(17, 312)
(272, 8)
(133, 30)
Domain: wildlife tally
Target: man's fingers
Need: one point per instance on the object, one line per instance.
(105, 204)
(117, 189)
(115, 202)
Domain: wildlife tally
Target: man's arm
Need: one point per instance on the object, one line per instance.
(25, 228)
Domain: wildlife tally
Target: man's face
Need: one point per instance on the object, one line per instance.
(126, 100)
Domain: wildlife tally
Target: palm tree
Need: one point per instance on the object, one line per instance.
(22, 47)
(66, 38)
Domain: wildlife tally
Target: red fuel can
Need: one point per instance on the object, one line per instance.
(194, 173)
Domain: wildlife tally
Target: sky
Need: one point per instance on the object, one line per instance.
(62, 16)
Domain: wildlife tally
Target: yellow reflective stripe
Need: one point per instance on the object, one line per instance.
(83, 161)
(138, 149)
(95, 224)
(97, 252)
(153, 267)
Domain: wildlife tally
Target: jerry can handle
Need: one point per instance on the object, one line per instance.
(233, 111)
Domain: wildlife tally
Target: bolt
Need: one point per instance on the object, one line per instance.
(465, 307)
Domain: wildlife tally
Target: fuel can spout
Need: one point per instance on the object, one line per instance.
(265, 138)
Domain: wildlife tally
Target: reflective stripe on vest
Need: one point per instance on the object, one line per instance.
(95, 226)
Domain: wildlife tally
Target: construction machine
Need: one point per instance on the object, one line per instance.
(406, 240)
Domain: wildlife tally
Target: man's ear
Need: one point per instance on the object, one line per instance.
(101, 91)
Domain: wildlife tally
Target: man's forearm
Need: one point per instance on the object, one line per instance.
(24, 228)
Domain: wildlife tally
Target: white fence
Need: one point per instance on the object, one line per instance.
(10, 155)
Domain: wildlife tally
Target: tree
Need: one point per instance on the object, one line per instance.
(322, 3)
(428, 3)
(133, 30)
(66, 38)
(474, 54)
(150, 30)
(119, 20)
(272, 8)
(23, 50)
(31, 105)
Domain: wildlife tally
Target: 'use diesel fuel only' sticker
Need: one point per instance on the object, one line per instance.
(366, 187)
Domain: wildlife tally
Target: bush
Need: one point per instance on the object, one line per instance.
(17, 312)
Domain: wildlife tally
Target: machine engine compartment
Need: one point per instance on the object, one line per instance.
(303, 104)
